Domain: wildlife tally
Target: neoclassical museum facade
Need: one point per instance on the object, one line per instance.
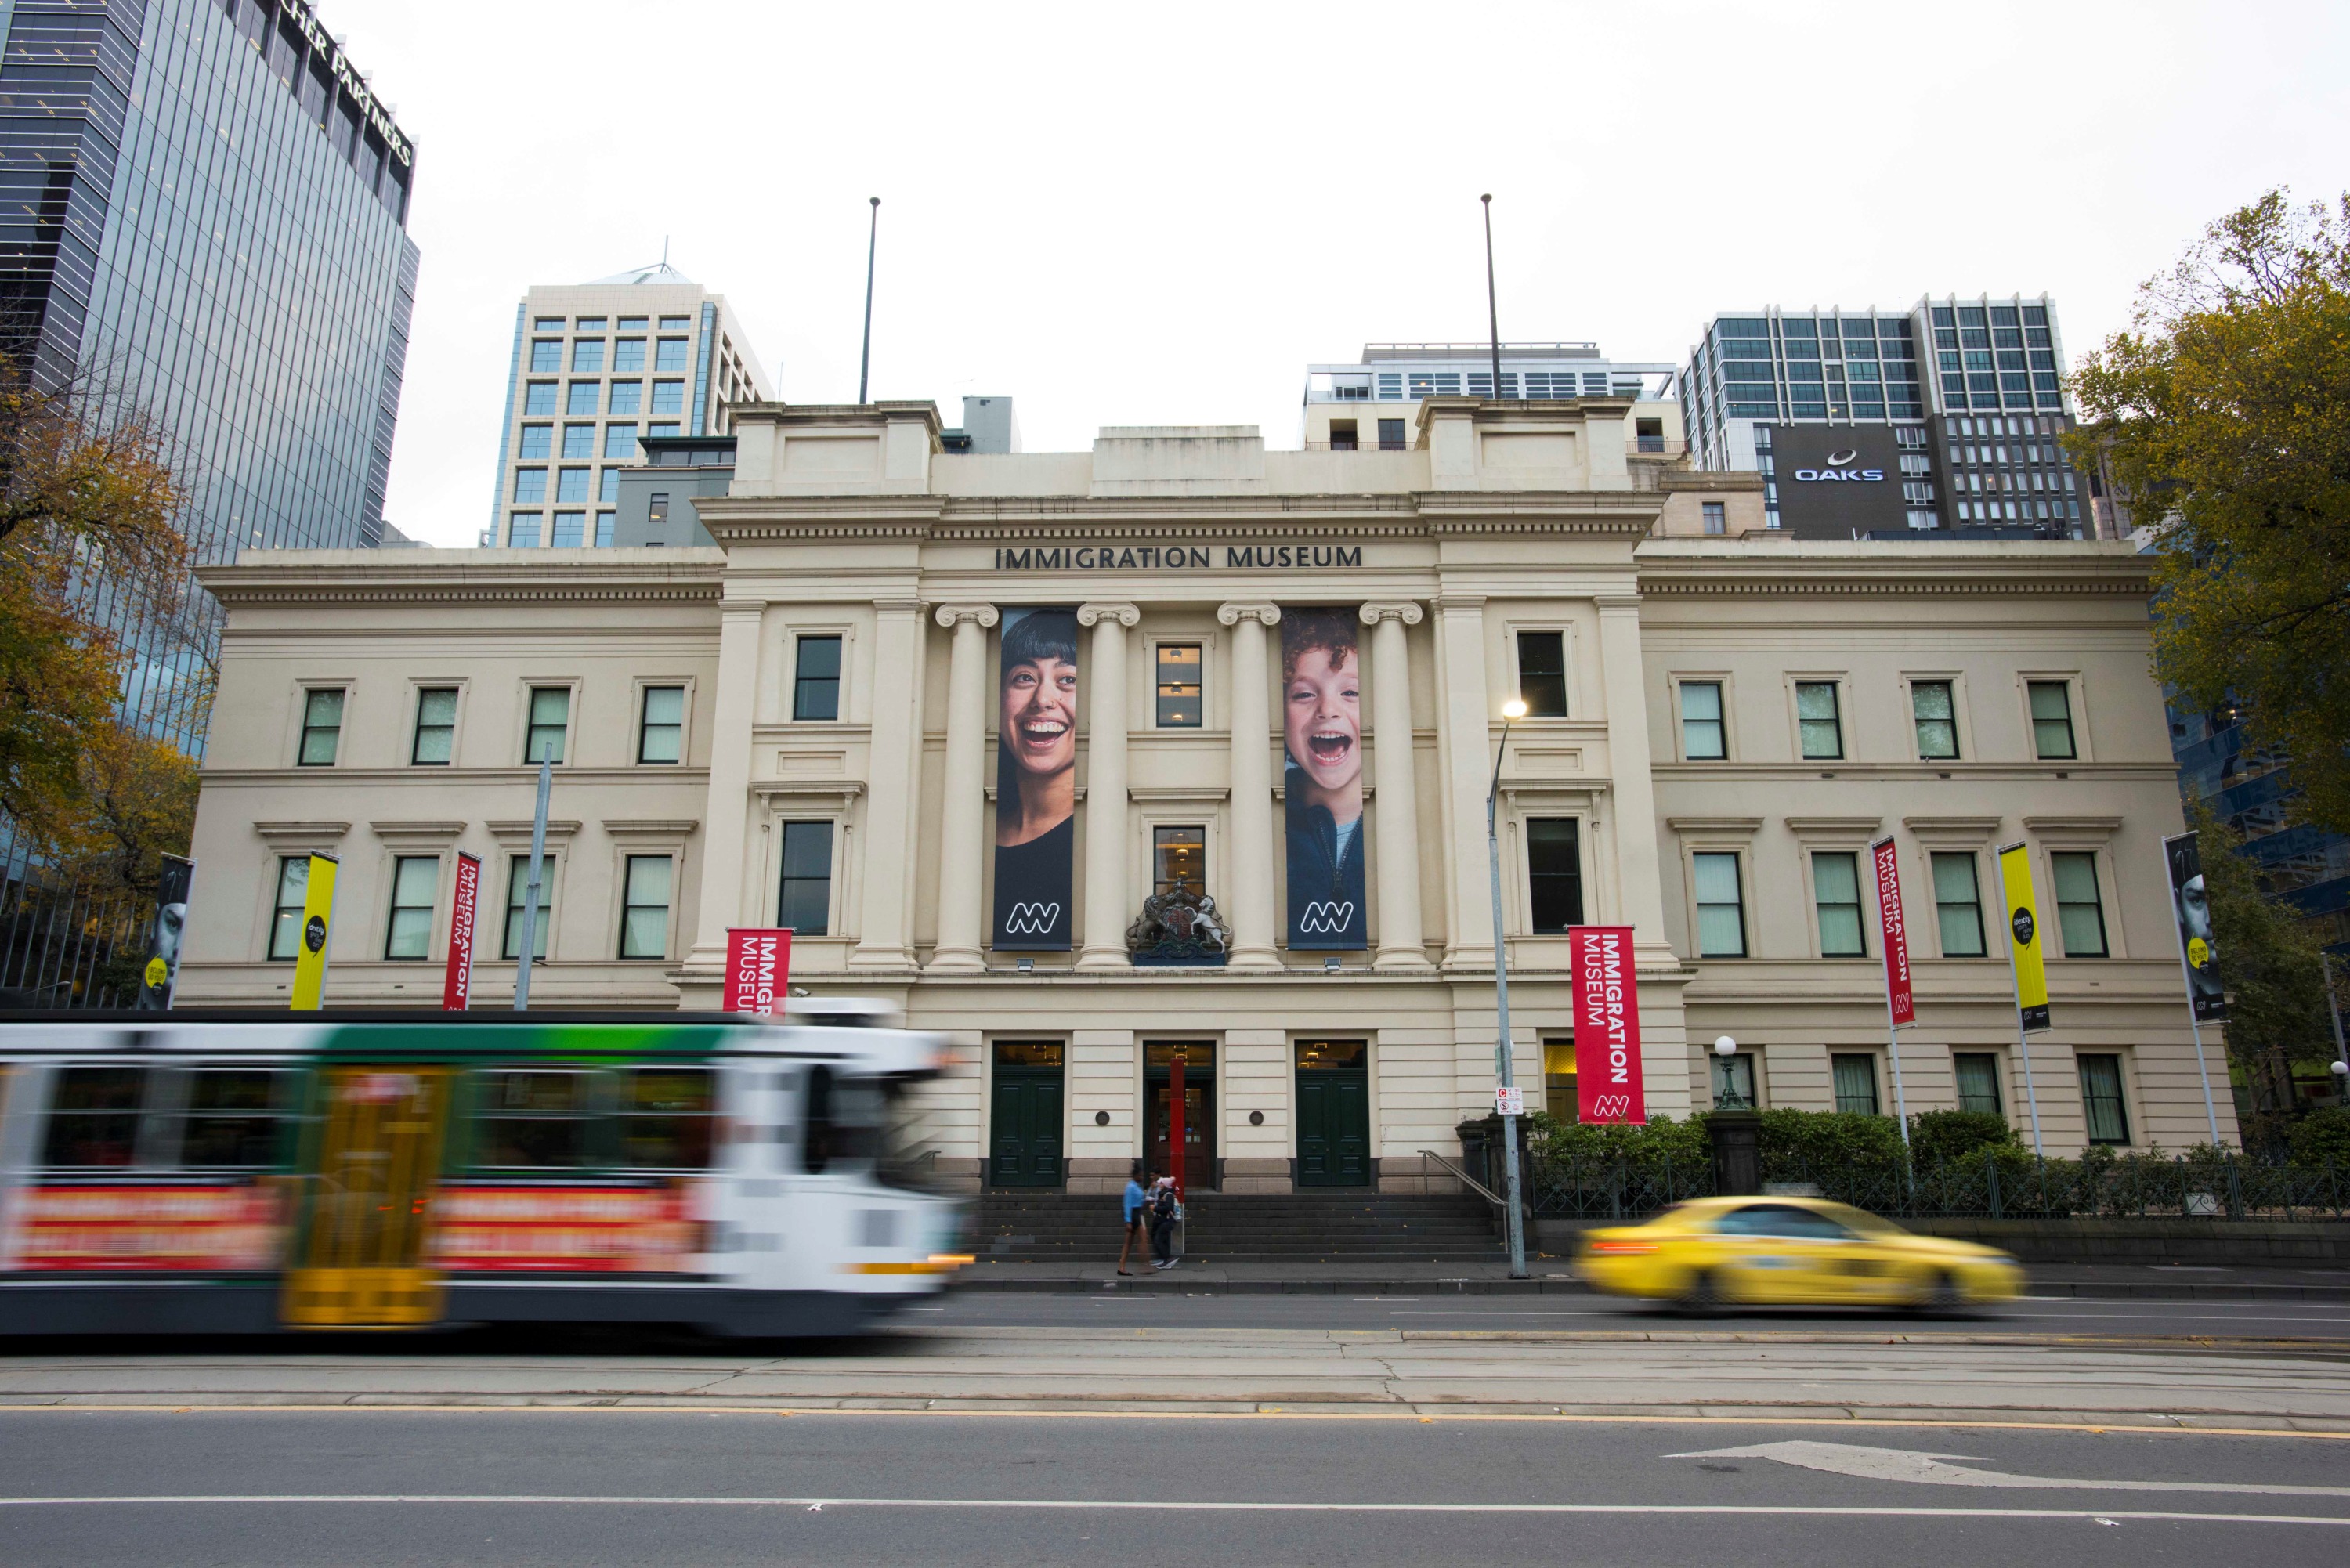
(1182, 748)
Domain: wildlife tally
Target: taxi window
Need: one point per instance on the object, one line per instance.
(1778, 1219)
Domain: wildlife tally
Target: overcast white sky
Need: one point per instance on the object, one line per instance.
(1161, 213)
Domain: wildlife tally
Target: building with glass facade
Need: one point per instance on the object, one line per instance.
(1955, 404)
(1374, 404)
(202, 217)
(597, 368)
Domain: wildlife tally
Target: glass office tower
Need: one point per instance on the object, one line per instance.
(202, 216)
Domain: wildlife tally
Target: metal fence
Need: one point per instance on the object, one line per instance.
(1998, 1184)
(61, 946)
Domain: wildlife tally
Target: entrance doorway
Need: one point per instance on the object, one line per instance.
(1199, 1058)
(1334, 1112)
(1025, 1119)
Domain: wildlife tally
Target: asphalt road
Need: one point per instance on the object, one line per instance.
(591, 1486)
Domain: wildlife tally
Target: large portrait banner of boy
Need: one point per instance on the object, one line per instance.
(1322, 778)
(1035, 780)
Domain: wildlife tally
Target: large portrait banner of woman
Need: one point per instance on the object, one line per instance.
(1035, 780)
(1322, 778)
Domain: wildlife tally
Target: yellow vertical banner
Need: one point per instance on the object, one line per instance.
(2023, 937)
(317, 916)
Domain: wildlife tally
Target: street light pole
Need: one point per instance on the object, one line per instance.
(1512, 710)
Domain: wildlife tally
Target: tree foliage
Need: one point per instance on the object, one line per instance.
(91, 558)
(2226, 408)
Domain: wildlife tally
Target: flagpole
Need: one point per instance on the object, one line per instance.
(2024, 1044)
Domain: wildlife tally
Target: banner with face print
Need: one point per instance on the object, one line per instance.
(2190, 905)
(1322, 778)
(1035, 780)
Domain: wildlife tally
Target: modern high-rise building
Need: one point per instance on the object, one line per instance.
(1940, 417)
(1371, 404)
(595, 367)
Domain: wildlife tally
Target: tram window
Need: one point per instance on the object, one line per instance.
(234, 1117)
(844, 1117)
(532, 1119)
(94, 1117)
(665, 1118)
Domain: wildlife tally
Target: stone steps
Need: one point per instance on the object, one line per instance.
(1341, 1226)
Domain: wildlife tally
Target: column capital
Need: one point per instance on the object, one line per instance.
(953, 614)
(1233, 613)
(1124, 614)
(911, 608)
(1406, 611)
(1616, 603)
(1459, 601)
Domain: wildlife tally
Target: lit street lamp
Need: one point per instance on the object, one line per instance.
(1511, 712)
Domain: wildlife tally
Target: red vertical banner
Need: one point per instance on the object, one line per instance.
(758, 969)
(1607, 1082)
(1894, 932)
(465, 905)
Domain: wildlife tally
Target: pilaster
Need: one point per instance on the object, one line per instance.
(1252, 906)
(1106, 797)
(963, 832)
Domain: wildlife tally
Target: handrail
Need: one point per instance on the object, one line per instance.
(1478, 1186)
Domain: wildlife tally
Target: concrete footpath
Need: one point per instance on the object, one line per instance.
(1555, 1276)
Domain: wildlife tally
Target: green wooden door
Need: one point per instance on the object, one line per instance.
(1024, 1124)
(1334, 1114)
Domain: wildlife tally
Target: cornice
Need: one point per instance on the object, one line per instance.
(1938, 570)
(467, 577)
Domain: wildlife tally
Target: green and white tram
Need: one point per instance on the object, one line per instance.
(242, 1173)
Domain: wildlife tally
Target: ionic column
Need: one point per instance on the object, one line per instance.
(962, 819)
(1105, 678)
(894, 753)
(1400, 944)
(1252, 906)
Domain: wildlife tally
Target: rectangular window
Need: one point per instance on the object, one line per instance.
(670, 355)
(1391, 435)
(539, 399)
(322, 727)
(236, 1118)
(1542, 673)
(94, 1118)
(522, 531)
(579, 441)
(1342, 435)
(1717, 517)
(1835, 890)
(632, 323)
(580, 396)
(517, 888)
(537, 441)
(546, 354)
(1178, 855)
(1702, 728)
(661, 430)
(533, 1120)
(2101, 1099)
(629, 354)
(667, 1116)
(1978, 1081)
(608, 491)
(550, 717)
(657, 508)
(2051, 720)
(805, 905)
(415, 878)
(1555, 873)
(1721, 913)
(620, 442)
(570, 529)
(590, 323)
(546, 324)
(628, 398)
(571, 485)
(675, 323)
(1180, 707)
(815, 681)
(644, 906)
(1938, 723)
(2080, 915)
(588, 356)
(604, 525)
(1958, 906)
(1855, 1082)
(1734, 1081)
(668, 397)
(1816, 717)
(285, 914)
(436, 727)
(530, 485)
(660, 737)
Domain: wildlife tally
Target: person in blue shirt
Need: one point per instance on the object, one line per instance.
(1137, 1199)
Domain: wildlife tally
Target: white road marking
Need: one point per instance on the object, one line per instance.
(1433, 1313)
(1928, 1468)
(1156, 1505)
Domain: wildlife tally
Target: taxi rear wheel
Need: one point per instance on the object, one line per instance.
(1703, 1293)
(1941, 1297)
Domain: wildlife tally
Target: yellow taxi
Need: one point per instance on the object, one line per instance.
(1791, 1251)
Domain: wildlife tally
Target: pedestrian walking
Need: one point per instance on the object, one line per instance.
(1138, 1198)
(1166, 1210)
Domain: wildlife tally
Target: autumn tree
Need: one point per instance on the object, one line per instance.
(2223, 413)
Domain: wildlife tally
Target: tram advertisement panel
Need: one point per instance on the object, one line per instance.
(1035, 780)
(1322, 778)
(166, 1226)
